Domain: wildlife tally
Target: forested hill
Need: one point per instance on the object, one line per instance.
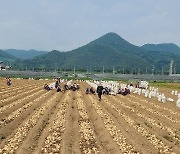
(164, 47)
(6, 57)
(23, 54)
(118, 43)
(163, 53)
(108, 51)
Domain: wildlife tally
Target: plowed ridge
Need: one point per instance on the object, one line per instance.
(33, 120)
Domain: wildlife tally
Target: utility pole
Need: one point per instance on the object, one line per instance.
(113, 70)
(171, 67)
(162, 71)
(138, 70)
(74, 70)
(153, 70)
(89, 69)
(57, 68)
(10, 65)
(174, 70)
(132, 71)
(146, 70)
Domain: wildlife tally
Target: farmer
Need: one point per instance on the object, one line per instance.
(46, 87)
(91, 90)
(99, 90)
(57, 83)
(8, 81)
(65, 87)
(87, 91)
(58, 89)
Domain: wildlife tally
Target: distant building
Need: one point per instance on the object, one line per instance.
(3, 66)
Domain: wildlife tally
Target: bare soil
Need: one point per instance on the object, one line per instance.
(33, 120)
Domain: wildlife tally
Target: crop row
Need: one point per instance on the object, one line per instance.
(4, 108)
(159, 125)
(52, 142)
(154, 111)
(21, 110)
(157, 106)
(88, 143)
(113, 130)
(20, 94)
(6, 88)
(16, 90)
(21, 132)
(157, 143)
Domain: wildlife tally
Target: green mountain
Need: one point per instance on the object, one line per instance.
(118, 43)
(165, 47)
(108, 51)
(23, 54)
(162, 54)
(47, 61)
(6, 57)
(4, 54)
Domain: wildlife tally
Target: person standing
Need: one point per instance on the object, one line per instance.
(57, 83)
(99, 91)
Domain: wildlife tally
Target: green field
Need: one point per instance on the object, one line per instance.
(167, 85)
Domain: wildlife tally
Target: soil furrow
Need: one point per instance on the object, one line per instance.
(30, 144)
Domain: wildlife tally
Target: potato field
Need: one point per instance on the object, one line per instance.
(37, 121)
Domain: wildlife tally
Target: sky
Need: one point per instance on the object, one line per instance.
(68, 24)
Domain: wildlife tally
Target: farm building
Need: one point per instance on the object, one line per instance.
(2, 66)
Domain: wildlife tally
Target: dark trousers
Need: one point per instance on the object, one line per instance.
(99, 95)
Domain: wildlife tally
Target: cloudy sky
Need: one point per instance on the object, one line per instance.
(67, 24)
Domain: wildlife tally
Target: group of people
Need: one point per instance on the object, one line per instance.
(124, 91)
(57, 85)
(53, 85)
(74, 87)
(90, 90)
(106, 91)
(99, 91)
